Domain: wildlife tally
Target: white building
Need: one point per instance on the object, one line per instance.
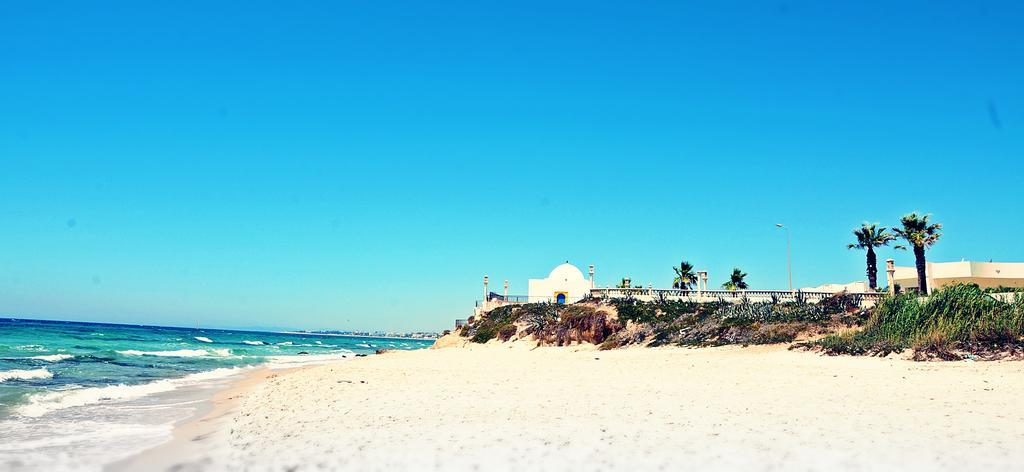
(565, 284)
(984, 274)
(852, 287)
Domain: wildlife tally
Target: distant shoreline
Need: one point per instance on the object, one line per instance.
(356, 336)
(194, 328)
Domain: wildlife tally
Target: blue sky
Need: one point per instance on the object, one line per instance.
(363, 164)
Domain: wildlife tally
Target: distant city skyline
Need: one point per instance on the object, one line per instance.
(326, 167)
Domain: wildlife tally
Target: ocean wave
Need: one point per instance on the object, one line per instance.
(203, 339)
(178, 353)
(364, 345)
(30, 347)
(25, 374)
(254, 343)
(53, 357)
(43, 403)
(286, 343)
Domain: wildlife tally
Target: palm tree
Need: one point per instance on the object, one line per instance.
(921, 235)
(870, 236)
(736, 281)
(685, 277)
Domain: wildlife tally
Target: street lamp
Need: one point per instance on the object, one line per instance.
(789, 254)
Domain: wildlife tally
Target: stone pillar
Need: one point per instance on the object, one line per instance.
(591, 276)
(890, 271)
(506, 290)
(485, 292)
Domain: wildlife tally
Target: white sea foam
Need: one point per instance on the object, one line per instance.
(254, 343)
(284, 362)
(53, 357)
(178, 353)
(43, 403)
(363, 345)
(286, 343)
(25, 374)
(221, 352)
(203, 339)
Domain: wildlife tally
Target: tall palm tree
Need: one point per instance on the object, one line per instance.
(736, 281)
(685, 277)
(921, 235)
(870, 236)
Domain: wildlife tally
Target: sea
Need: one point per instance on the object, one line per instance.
(77, 396)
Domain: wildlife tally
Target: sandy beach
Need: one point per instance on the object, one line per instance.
(510, 407)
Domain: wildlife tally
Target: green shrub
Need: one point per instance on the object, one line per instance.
(493, 324)
(767, 312)
(635, 311)
(506, 332)
(484, 334)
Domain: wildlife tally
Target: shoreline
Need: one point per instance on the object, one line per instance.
(202, 433)
(753, 408)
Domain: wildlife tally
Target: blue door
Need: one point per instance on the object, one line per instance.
(560, 299)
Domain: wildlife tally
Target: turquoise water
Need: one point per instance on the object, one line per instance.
(76, 395)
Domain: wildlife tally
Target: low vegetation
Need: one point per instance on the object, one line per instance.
(631, 322)
(548, 324)
(720, 323)
(953, 323)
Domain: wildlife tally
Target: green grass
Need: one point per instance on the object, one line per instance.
(959, 317)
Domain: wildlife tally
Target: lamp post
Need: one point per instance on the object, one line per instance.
(789, 255)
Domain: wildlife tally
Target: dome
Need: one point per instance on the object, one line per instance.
(566, 272)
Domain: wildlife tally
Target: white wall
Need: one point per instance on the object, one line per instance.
(564, 278)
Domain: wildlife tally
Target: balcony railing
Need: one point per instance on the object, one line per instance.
(653, 294)
(512, 300)
(777, 296)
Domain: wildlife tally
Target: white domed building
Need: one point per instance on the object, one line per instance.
(565, 284)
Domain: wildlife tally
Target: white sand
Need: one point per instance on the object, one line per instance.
(499, 408)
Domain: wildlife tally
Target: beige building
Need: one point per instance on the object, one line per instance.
(984, 274)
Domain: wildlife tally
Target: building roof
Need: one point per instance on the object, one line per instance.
(566, 272)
